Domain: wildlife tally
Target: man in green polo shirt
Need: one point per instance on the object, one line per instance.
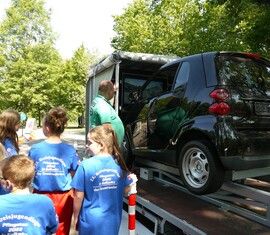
(103, 113)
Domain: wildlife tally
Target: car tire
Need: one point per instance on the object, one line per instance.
(200, 168)
(126, 153)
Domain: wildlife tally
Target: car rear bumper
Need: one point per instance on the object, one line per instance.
(239, 163)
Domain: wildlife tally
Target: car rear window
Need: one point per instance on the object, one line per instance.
(250, 75)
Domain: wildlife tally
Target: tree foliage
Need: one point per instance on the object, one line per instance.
(184, 27)
(33, 76)
(29, 58)
(26, 24)
(70, 89)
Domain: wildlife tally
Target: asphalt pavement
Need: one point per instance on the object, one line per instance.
(73, 136)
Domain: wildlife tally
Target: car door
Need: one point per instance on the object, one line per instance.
(156, 97)
(166, 111)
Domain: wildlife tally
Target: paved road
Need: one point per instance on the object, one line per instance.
(70, 135)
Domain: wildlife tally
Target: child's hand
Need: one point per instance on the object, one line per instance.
(133, 177)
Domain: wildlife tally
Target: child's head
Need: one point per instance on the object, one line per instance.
(9, 125)
(55, 121)
(102, 139)
(10, 120)
(19, 171)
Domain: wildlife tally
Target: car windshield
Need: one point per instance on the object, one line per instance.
(249, 75)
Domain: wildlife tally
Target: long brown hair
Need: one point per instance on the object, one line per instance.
(109, 138)
(8, 121)
(57, 120)
(2, 152)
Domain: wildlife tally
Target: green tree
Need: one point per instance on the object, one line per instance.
(258, 33)
(184, 27)
(228, 23)
(70, 90)
(135, 34)
(28, 59)
(159, 27)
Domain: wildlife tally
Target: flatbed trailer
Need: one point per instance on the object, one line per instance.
(238, 208)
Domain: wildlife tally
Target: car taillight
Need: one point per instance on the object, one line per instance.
(219, 94)
(219, 107)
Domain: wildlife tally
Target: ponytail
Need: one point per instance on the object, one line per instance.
(117, 153)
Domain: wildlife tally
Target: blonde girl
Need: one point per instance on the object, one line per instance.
(100, 183)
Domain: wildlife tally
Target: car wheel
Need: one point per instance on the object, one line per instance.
(126, 153)
(200, 167)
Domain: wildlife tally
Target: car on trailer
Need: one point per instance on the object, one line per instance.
(207, 114)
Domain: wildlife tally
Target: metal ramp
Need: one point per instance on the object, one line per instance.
(244, 197)
(162, 219)
(245, 200)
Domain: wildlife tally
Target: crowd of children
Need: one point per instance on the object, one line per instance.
(92, 190)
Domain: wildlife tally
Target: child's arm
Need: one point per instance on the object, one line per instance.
(77, 204)
(128, 188)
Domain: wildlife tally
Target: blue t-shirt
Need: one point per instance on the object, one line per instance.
(53, 165)
(10, 148)
(2, 191)
(101, 180)
(27, 214)
(10, 151)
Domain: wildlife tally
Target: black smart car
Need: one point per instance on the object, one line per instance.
(206, 114)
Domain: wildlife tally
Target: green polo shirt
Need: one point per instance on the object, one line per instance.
(101, 112)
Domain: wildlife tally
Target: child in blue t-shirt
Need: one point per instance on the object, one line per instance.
(100, 183)
(56, 163)
(9, 125)
(22, 212)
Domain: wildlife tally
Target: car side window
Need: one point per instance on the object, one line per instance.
(183, 75)
(161, 82)
(153, 89)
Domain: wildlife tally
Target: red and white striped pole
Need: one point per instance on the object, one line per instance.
(132, 205)
(132, 214)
